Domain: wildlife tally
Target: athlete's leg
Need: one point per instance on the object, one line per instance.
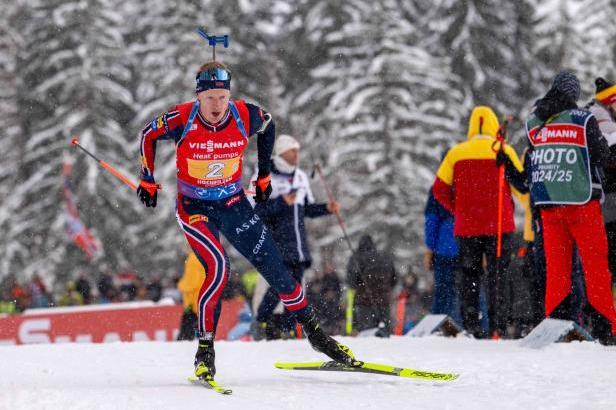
(244, 229)
(270, 299)
(247, 233)
(202, 236)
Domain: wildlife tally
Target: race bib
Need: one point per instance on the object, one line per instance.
(213, 170)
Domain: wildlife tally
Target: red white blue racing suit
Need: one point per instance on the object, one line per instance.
(211, 199)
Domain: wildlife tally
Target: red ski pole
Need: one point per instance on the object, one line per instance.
(106, 165)
(499, 146)
(330, 197)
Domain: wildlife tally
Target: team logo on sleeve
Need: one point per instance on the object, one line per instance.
(158, 123)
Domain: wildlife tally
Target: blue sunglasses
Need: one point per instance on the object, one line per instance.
(214, 74)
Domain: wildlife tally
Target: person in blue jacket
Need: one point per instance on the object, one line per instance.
(441, 256)
(291, 201)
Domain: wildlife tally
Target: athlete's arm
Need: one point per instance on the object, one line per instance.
(262, 124)
(164, 127)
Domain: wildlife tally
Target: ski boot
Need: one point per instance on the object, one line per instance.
(204, 360)
(326, 344)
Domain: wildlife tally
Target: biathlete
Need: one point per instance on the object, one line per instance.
(210, 136)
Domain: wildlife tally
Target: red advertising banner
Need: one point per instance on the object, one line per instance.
(124, 322)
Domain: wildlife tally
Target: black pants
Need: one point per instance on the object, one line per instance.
(188, 325)
(472, 251)
(536, 257)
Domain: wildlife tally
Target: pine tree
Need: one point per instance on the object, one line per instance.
(10, 124)
(489, 45)
(381, 118)
(556, 43)
(76, 85)
(597, 52)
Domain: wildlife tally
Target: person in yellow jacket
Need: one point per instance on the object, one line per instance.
(189, 285)
(466, 185)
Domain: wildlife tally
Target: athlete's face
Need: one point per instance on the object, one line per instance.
(214, 103)
(291, 156)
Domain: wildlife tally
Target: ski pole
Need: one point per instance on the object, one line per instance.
(106, 165)
(330, 197)
(501, 135)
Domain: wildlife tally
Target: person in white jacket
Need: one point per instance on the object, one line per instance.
(603, 106)
(290, 203)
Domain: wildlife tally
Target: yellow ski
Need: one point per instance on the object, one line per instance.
(365, 367)
(210, 384)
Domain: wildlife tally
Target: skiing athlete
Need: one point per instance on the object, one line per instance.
(210, 136)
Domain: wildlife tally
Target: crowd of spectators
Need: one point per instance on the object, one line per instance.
(18, 295)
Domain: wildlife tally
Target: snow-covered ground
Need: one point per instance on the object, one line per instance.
(152, 375)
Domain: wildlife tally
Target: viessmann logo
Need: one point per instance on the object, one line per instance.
(546, 134)
(210, 145)
(559, 134)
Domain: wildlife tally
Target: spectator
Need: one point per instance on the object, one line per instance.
(39, 295)
(415, 307)
(154, 289)
(189, 285)
(15, 298)
(290, 203)
(71, 297)
(441, 257)
(466, 185)
(20, 297)
(325, 290)
(128, 286)
(603, 108)
(569, 205)
(106, 289)
(140, 289)
(82, 284)
(371, 278)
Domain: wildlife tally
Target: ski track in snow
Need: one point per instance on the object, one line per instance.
(152, 375)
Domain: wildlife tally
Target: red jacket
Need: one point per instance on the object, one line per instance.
(208, 156)
(467, 180)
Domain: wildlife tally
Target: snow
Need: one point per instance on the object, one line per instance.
(152, 375)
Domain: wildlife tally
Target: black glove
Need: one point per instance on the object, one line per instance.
(502, 159)
(147, 193)
(516, 178)
(263, 188)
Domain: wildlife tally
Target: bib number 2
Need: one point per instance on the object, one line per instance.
(213, 170)
(216, 170)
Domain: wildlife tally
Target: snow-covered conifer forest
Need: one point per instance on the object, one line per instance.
(374, 90)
